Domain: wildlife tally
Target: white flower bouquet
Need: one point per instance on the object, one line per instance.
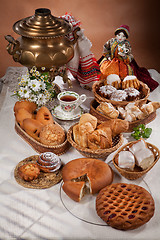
(35, 86)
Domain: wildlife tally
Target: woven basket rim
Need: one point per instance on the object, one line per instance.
(134, 172)
(102, 99)
(87, 150)
(39, 143)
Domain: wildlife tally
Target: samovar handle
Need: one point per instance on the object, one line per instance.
(13, 47)
(75, 35)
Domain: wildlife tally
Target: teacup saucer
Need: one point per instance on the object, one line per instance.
(58, 113)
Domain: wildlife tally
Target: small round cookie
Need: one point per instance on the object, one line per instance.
(125, 206)
(29, 171)
(52, 135)
(44, 116)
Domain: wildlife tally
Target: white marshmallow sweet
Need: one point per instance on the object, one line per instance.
(126, 160)
(144, 158)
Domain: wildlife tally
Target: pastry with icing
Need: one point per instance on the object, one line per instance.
(130, 81)
(119, 95)
(126, 160)
(114, 80)
(106, 91)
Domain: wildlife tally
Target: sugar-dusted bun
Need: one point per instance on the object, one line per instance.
(130, 81)
(29, 171)
(52, 135)
(87, 117)
(32, 127)
(106, 91)
(44, 116)
(114, 80)
(29, 106)
(95, 172)
(74, 190)
(132, 94)
(22, 114)
(119, 95)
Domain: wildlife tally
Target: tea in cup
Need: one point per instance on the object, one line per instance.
(70, 101)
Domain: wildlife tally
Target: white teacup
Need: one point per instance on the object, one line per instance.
(69, 101)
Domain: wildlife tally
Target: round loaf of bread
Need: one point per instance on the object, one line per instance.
(52, 135)
(125, 206)
(96, 173)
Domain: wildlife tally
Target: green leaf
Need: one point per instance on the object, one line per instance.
(141, 131)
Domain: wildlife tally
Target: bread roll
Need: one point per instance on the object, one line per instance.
(29, 106)
(22, 114)
(87, 117)
(117, 126)
(95, 173)
(150, 107)
(44, 116)
(100, 139)
(76, 135)
(84, 130)
(108, 109)
(32, 127)
(52, 134)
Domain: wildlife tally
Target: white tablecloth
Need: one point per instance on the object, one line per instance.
(43, 214)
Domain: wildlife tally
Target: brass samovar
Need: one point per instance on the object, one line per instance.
(43, 42)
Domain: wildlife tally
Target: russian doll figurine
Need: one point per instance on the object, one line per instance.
(118, 59)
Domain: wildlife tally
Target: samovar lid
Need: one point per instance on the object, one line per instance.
(42, 25)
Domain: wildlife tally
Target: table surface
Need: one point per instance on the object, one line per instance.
(48, 213)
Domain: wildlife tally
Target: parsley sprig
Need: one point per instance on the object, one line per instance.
(141, 131)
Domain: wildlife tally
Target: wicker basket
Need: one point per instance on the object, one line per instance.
(39, 147)
(102, 118)
(99, 153)
(138, 172)
(144, 89)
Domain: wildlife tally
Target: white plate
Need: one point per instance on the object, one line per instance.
(85, 210)
(58, 113)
